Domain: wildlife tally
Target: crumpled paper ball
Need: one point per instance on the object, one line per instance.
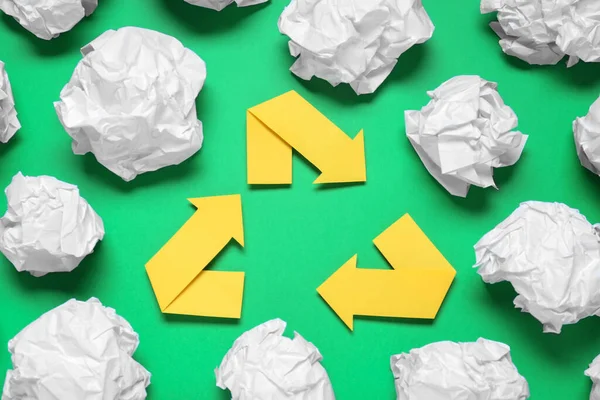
(263, 364)
(543, 31)
(594, 373)
(587, 138)
(80, 350)
(9, 124)
(481, 370)
(131, 101)
(464, 132)
(352, 41)
(550, 254)
(47, 19)
(221, 4)
(48, 227)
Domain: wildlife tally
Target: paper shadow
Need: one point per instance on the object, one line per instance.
(192, 319)
(6, 148)
(66, 42)
(407, 65)
(150, 387)
(77, 282)
(207, 21)
(256, 187)
(173, 173)
(580, 75)
(329, 186)
(395, 321)
(579, 338)
(592, 180)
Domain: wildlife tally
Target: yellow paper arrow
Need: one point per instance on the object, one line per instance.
(414, 288)
(176, 271)
(289, 122)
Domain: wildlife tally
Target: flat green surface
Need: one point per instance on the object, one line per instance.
(296, 237)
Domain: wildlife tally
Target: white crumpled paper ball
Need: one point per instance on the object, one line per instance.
(9, 124)
(263, 364)
(131, 101)
(543, 31)
(47, 19)
(221, 4)
(587, 138)
(550, 254)
(77, 351)
(48, 227)
(481, 370)
(594, 373)
(352, 41)
(464, 132)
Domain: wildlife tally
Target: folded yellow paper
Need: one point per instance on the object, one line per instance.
(289, 122)
(414, 288)
(177, 273)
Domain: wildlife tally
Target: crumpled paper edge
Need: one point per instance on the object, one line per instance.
(7, 96)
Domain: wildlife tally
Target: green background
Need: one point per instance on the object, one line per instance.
(296, 237)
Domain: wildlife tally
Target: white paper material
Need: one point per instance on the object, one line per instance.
(48, 227)
(131, 101)
(550, 254)
(543, 31)
(47, 19)
(587, 138)
(464, 132)
(264, 365)
(9, 123)
(481, 370)
(77, 351)
(594, 373)
(352, 41)
(221, 4)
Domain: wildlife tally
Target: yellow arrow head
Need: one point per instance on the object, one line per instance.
(227, 210)
(347, 164)
(338, 291)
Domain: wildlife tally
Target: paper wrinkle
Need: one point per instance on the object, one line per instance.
(9, 123)
(80, 350)
(48, 226)
(352, 41)
(594, 373)
(221, 4)
(47, 19)
(587, 138)
(464, 132)
(545, 31)
(131, 101)
(481, 370)
(550, 254)
(264, 365)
